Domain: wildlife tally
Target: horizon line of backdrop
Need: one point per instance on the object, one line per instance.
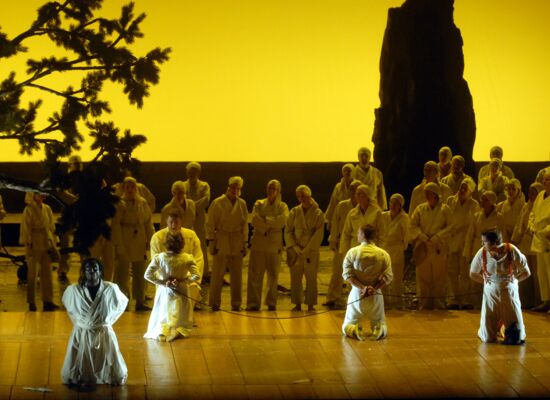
(284, 80)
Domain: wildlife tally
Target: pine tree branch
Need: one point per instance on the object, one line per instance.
(58, 93)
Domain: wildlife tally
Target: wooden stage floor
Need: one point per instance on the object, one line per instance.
(427, 354)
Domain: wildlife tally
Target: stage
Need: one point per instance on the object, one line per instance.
(266, 355)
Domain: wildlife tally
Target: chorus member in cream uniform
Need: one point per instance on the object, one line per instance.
(395, 239)
(368, 269)
(495, 181)
(495, 152)
(132, 230)
(431, 227)
(463, 209)
(37, 234)
(523, 237)
(179, 201)
(268, 220)
(370, 176)
(457, 175)
(142, 190)
(486, 218)
(444, 165)
(303, 237)
(199, 192)
(227, 235)
(366, 212)
(539, 224)
(431, 174)
(511, 207)
(339, 193)
(334, 292)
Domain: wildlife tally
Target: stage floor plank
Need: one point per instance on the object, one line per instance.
(427, 354)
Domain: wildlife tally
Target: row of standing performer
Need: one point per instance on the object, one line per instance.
(445, 232)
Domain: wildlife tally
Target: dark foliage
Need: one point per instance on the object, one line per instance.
(98, 49)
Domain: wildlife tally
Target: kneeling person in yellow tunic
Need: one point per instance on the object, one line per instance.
(367, 268)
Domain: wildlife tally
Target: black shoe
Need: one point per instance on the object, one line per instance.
(453, 307)
(542, 307)
(237, 308)
(297, 307)
(49, 306)
(32, 307)
(253, 308)
(331, 305)
(215, 308)
(142, 307)
(271, 308)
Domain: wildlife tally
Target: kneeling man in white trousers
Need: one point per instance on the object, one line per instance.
(499, 267)
(367, 268)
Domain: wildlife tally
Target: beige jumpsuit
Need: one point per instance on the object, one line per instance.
(436, 224)
(304, 230)
(355, 219)
(459, 284)
(334, 292)
(227, 227)
(374, 179)
(38, 235)
(339, 193)
(454, 183)
(529, 292)
(418, 195)
(395, 239)
(539, 223)
(200, 194)
(268, 221)
(132, 230)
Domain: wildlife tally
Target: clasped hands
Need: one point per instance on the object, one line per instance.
(367, 291)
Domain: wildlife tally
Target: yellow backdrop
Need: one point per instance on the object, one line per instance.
(297, 80)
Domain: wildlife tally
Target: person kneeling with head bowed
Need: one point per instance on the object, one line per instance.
(174, 272)
(367, 268)
(499, 267)
(94, 305)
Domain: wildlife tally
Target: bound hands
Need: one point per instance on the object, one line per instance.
(367, 291)
(172, 283)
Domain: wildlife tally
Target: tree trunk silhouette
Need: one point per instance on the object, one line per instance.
(425, 103)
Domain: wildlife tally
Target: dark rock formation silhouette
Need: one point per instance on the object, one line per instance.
(425, 103)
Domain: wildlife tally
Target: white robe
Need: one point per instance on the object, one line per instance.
(93, 355)
(500, 292)
(173, 310)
